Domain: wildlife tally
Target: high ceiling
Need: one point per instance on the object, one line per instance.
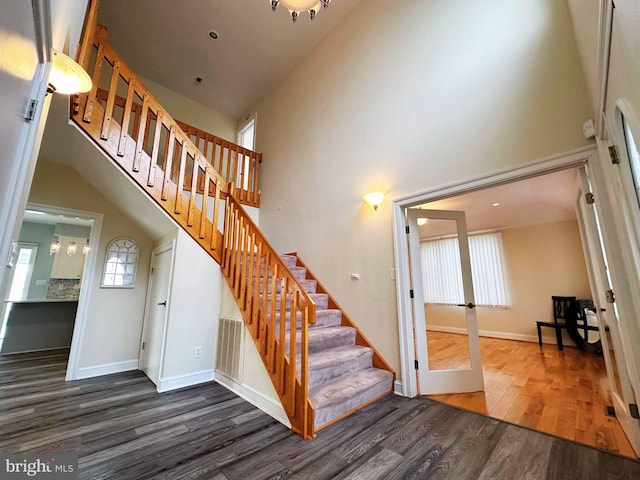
(544, 199)
(168, 42)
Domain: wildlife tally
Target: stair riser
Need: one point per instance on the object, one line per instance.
(321, 300)
(331, 373)
(332, 318)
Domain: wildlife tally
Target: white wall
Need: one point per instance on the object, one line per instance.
(114, 321)
(541, 260)
(403, 100)
(194, 309)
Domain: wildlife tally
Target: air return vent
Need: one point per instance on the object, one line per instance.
(229, 356)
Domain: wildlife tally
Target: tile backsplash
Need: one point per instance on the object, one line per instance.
(63, 289)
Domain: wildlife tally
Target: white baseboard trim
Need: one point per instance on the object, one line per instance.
(106, 369)
(167, 384)
(493, 334)
(397, 388)
(258, 399)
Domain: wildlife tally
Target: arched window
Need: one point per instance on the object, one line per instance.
(120, 263)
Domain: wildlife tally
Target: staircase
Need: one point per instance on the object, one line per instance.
(320, 363)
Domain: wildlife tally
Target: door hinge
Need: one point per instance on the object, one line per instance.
(32, 106)
(415, 363)
(410, 293)
(406, 229)
(153, 269)
(611, 296)
(589, 198)
(144, 344)
(633, 410)
(613, 153)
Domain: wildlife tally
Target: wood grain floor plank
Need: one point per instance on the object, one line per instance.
(128, 431)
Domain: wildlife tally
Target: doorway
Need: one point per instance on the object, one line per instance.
(445, 199)
(50, 269)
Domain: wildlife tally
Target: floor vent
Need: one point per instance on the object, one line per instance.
(229, 355)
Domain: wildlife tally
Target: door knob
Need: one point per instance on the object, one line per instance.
(164, 304)
(468, 305)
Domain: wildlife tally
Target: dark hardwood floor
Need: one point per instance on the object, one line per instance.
(121, 428)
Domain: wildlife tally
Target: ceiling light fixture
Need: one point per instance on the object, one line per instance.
(296, 7)
(422, 221)
(495, 204)
(66, 76)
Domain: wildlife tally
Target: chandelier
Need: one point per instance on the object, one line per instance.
(295, 7)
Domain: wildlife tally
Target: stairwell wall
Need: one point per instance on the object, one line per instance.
(402, 100)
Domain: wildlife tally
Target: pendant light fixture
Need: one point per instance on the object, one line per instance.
(296, 7)
(67, 76)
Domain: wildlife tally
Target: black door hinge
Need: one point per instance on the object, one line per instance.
(415, 363)
(410, 293)
(633, 410)
(406, 229)
(613, 153)
(589, 198)
(32, 106)
(611, 296)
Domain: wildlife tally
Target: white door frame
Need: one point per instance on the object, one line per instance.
(147, 308)
(87, 279)
(554, 163)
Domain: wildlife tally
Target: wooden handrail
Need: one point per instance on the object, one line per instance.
(259, 280)
(236, 164)
(152, 148)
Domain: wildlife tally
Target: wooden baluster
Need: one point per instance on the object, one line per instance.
(183, 165)
(97, 71)
(166, 181)
(229, 160)
(248, 275)
(141, 133)
(194, 190)
(236, 262)
(255, 287)
(256, 188)
(283, 328)
(124, 130)
(86, 43)
(270, 318)
(205, 205)
(243, 276)
(304, 364)
(108, 112)
(293, 348)
(240, 172)
(154, 152)
(216, 208)
(220, 153)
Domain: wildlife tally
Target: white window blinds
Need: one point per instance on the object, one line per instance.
(442, 278)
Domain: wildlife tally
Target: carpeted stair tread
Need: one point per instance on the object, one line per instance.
(337, 398)
(330, 317)
(320, 299)
(332, 364)
(326, 338)
(289, 260)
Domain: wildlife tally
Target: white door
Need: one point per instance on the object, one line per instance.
(455, 368)
(622, 394)
(157, 310)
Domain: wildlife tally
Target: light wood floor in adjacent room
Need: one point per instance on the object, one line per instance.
(562, 393)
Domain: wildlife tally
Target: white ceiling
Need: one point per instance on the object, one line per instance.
(168, 42)
(545, 199)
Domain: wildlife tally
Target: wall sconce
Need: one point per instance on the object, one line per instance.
(374, 199)
(72, 248)
(66, 76)
(54, 247)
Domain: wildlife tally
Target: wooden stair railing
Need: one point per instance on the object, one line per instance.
(257, 277)
(235, 164)
(157, 155)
